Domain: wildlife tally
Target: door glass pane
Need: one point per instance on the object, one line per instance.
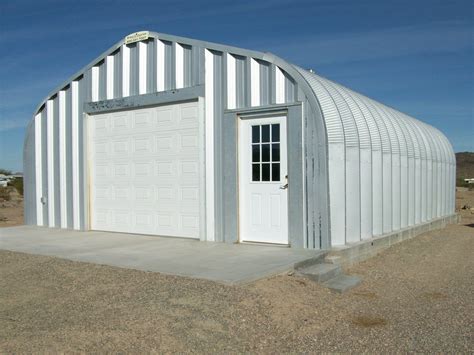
(266, 133)
(256, 153)
(276, 132)
(265, 172)
(255, 134)
(276, 172)
(255, 172)
(265, 152)
(276, 152)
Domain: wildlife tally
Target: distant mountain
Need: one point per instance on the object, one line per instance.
(464, 165)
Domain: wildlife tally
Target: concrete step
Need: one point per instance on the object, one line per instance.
(317, 259)
(320, 272)
(342, 283)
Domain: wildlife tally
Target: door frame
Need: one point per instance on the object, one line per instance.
(172, 97)
(227, 198)
(242, 121)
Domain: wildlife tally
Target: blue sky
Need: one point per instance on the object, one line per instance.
(414, 55)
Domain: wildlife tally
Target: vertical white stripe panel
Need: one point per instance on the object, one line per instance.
(50, 146)
(160, 69)
(142, 67)
(110, 77)
(62, 158)
(209, 129)
(95, 84)
(179, 61)
(255, 82)
(279, 86)
(38, 170)
(75, 153)
(231, 82)
(125, 71)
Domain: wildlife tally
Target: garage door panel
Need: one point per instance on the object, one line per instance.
(145, 171)
(119, 123)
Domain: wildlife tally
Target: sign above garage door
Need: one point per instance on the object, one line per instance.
(145, 171)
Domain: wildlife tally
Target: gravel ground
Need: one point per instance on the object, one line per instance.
(416, 297)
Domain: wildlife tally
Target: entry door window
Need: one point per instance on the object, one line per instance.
(266, 153)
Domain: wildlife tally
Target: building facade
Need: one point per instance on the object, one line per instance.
(165, 135)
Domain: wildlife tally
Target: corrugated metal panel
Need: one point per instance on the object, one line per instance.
(332, 118)
(408, 175)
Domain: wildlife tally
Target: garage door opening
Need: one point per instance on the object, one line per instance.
(145, 170)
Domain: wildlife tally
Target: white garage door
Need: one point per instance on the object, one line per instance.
(145, 171)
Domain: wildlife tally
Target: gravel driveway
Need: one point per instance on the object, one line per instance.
(417, 296)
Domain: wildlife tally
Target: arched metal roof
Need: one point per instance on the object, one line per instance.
(355, 119)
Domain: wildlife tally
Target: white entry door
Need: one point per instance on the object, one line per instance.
(145, 171)
(263, 180)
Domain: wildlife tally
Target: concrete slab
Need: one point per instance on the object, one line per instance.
(342, 283)
(225, 263)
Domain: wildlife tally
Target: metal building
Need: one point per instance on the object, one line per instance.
(165, 135)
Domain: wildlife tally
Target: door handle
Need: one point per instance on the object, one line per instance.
(284, 187)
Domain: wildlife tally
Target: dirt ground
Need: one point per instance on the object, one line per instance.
(416, 297)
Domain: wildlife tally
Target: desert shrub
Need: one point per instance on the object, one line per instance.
(5, 193)
(17, 184)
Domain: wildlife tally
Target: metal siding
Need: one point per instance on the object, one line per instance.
(265, 82)
(187, 65)
(218, 101)
(102, 81)
(169, 66)
(290, 88)
(57, 179)
(151, 66)
(38, 169)
(69, 159)
(84, 96)
(134, 69)
(240, 80)
(44, 164)
(118, 84)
